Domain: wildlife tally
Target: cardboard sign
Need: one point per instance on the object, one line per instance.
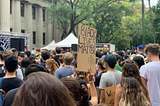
(110, 95)
(86, 48)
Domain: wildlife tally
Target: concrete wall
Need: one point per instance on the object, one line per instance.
(17, 23)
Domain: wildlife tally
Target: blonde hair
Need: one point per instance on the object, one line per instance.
(54, 65)
(132, 93)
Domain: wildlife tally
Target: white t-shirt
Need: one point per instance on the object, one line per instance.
(151, 72)
(32, 51)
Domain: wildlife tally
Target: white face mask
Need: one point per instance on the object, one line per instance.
(49, 70)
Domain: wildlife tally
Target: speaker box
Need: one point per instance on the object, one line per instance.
(17, 43)
(74, 47)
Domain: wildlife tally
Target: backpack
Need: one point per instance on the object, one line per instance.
(1, 94)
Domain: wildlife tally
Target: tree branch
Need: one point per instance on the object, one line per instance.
(80, 20)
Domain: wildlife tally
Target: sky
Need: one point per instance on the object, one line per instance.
(153, 2)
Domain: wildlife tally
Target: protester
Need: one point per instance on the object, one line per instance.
(80, 90)
(118, 67)
(45, 55)
(150, 73)
(15, 52)
(38, 54)
(111, 78)
(8, 100)
(24, 64)
(101, 69)
(28, 53)
(61, 61)
(58, 54)
(104, 54)
(97, 55)
(32, 59)
(140, 50)
(51, 66)
(32, 52)
(130, 69)
(67, 70)
(139, 60)
(52, 53)
(26, 48)
(18, 71)
(132, 93)
(10, 81)
(41, 91)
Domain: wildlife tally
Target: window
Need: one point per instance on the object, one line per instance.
(22, 31)
(34, 12)
(43, 38)
(43, 15)
(10, 29)
(34, 37)
(10, 6)
(22, 9)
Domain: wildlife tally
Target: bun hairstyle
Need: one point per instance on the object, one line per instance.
(100, 62)
(77, 91)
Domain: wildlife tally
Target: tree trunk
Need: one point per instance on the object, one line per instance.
(151, 21)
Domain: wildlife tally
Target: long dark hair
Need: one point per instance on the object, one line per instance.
(43, 89)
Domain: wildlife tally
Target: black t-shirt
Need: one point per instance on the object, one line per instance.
(9, 98)
(56, 59)
(11, 83)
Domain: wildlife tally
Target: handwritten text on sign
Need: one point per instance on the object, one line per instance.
(110, 95)
(86, 48)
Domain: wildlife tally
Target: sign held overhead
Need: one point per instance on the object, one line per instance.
(86, 48)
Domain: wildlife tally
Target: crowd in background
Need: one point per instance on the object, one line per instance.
(51, 78)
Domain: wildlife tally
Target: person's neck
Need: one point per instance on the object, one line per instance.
(140, 52)
(100, 70)
(111, 69)
(10, 75)
(68, 65)
(117, 63)
(155, 58)
(58, 54)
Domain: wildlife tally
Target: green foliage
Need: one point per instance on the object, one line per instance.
(69, 13)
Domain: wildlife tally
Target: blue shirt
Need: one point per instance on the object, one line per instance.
(43, 64)
(63, 72)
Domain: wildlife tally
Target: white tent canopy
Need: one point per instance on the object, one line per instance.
(49, 46)
(67, 42)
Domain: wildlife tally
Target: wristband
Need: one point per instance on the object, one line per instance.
(91, 82)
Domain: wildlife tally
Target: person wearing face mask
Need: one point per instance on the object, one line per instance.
(101, 68)
(51, 66)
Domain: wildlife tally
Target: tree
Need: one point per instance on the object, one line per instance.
(107, 17)
(151, 21)
(69, 13)
(156, 21)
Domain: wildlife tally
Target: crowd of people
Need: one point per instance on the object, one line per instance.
(51, 78)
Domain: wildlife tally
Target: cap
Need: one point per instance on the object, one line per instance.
(109, 58)
(140, 47)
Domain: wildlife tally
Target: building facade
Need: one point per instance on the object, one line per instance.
(28, 16)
